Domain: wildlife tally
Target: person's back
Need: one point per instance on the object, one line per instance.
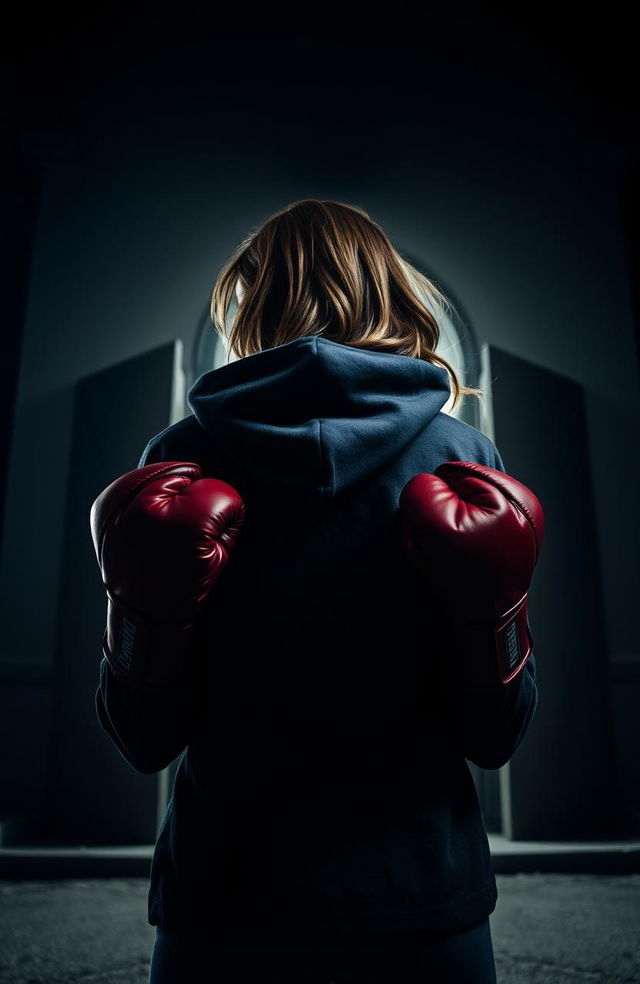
(323, 794)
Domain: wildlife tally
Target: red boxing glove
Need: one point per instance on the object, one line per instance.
(475, 534)
(162, 535)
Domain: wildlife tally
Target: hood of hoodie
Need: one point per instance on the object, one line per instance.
(314, 417)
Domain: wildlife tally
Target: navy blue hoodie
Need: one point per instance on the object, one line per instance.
(324, 790)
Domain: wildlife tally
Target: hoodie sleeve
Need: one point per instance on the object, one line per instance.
(149, 729)
(490, 724)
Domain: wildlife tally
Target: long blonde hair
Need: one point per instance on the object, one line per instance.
(326, 268)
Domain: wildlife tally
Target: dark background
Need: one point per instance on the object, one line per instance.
(499, 146)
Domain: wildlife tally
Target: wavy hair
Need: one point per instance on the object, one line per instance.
(326, 268)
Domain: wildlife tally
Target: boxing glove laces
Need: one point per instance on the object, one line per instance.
(474, 534)
(162, 536)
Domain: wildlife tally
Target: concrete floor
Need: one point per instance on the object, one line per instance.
(547, 929)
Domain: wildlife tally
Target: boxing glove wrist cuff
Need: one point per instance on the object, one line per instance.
(142, 652)
(490, 655)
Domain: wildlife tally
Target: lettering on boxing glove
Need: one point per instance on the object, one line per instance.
(127, 645)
